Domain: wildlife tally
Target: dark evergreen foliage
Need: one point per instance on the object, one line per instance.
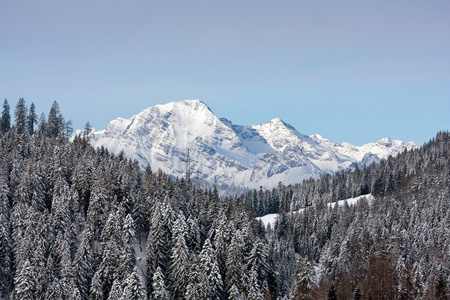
(21, 116)
(5, 124)
(31, 119)
(81, 223)
(55, 121)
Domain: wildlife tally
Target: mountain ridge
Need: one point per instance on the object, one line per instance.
(222, 152)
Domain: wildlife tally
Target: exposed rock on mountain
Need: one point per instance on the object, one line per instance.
(221, 152)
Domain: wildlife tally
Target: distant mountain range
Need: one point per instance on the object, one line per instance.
(224, 153)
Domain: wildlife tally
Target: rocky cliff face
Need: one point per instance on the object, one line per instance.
(221, 152)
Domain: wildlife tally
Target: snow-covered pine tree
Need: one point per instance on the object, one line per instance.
(179, 259)
(194, 288)
(257, 260)
(84, 264)
(235, 264)
(20, 115)
(253, 287)
(6, 242)
(159, 286)
(24, 282)
(128, 257)
(133, 287)
(212, 284)
(159, 240)
(116, 292)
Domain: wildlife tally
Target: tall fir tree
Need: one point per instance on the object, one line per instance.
(68, 128)
(6, 117)
(87, 129)
(159, 286)
(194, 288)
(179, 260)
(20, 115)
(6, 242)
(55, 120)
(212, 284)
(116, 292)
(128, 257)
(42, 127)
(24, 280)
(133, 287)
(31, 119)
(235, 264)
(253, 288)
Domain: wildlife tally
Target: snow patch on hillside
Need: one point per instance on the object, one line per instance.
(272, 218)
(351, 201)
(268, 219)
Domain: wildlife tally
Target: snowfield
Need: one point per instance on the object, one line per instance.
(272, 218)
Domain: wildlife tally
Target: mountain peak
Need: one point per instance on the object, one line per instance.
(276, 122)
(222, 152)
(192, 104)
(387, 142)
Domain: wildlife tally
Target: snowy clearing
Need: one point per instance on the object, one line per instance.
(271, 218)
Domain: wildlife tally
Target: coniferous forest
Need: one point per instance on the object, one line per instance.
(83, 223)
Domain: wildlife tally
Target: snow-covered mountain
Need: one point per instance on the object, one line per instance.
(221, 152)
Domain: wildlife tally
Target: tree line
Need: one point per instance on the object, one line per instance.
(25, 120)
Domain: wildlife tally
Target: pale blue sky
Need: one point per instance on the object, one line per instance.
(353, 71)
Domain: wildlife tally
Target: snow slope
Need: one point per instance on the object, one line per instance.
(222, 152)
(351, 201)
(272, 218)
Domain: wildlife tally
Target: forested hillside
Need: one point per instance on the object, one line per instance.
(394, 246)
(81, 223)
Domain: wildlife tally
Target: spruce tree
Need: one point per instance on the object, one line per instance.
(194, 288)
(6, 241)
(235, 263)
(96, 291)
(193, 239)
(31, 119)
(253, 288)
(74, 292)
(257, 259)
(116, 292)
(55, 120)
(159, 287)
(158, 240)
(24, 281)
(21, 116)
(54, 290)
(235, 294)
(42, 127)
(68, 128)
(179, 260)
(84, 265)
(87, 129)
(128, 257)
(303, 280)
(212, 284)
(133, 287)
(6, 117)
